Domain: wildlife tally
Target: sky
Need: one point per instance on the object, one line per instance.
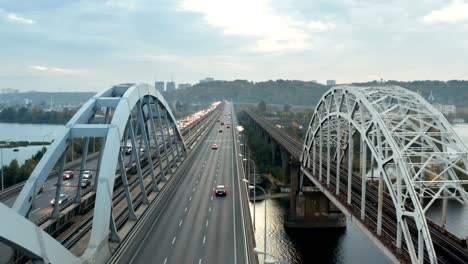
(89, 45)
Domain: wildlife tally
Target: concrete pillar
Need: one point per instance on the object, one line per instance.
(293, 190)
(285, 166)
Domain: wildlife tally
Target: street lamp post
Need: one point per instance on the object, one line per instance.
(255, 182)
(269, 261)
(43, 139)
(254, 186)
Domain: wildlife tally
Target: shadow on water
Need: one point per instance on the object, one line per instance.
(296, 246)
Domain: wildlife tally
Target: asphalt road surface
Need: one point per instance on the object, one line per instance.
(196, 226)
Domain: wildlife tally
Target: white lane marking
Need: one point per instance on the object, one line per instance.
(209, 210)
(180, 222)
(204, 239)
(199, 262)
(190, 199)
(207, 223)
(185, 209)
(215, 181)
(173, 240)
(211, 197)
(193, 188)
(165, 260)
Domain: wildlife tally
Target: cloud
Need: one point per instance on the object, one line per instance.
(54, 70)
(456, 12)
(273, 32)
(19, 19)
(126, 4)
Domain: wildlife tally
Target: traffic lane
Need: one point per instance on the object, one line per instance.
(187, 197)
(156, 247)
(221, 232)
(192, 234)
(240, 194)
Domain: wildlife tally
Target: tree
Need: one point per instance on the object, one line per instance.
(261, 107)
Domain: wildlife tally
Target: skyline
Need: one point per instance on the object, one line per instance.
(89, 45)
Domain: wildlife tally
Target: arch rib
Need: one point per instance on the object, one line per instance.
(415, 150)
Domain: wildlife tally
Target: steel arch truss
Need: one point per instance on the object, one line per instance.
(135, 113)
(393, 137)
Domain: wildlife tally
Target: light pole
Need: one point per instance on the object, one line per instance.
(269, 261)
(255, 182)
(251, 186)
(43, 139)
(1, 156)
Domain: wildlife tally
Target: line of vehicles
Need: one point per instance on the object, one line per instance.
(68, 175)
(220, 190)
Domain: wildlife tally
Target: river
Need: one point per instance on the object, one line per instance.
(26, 132)
(340, 247)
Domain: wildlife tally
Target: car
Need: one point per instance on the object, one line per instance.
(42, 188)
(85, 183)
(68, 175)
(219, 120)
(63, 198)
(214, 146)
(87, 174)
(228, 126)
(220, 131)
(222, 123)
(128, 150)
(220, 190)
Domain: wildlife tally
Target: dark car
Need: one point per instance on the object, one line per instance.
(220, 190)
(85, 183)
(220, 131)
(68, 175)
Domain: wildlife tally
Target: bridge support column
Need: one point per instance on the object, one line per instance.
(310, 208)
(285, 165)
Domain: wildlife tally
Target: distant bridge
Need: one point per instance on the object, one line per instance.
(382, 155)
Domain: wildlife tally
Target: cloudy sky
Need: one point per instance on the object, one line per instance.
(88, 45)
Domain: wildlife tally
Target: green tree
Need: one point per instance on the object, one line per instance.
(261, 107)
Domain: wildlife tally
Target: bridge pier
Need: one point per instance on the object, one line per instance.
(310, 208)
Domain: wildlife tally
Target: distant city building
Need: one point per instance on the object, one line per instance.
(183, 85)
(331, 82)
(207, 79)
(170, 86)
(9, 91)
(159, 86)
(446, 109)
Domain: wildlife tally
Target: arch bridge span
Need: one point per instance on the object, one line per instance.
(124, 116)
(386, 153)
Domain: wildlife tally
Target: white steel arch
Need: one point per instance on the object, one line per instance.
(414, 154)
(120, 102)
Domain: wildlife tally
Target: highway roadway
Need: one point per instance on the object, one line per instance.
(195, 225)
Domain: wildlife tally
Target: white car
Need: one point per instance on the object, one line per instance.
(214, 146)
(62, 199)
(87, 174)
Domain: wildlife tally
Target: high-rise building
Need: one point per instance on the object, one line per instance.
(331, 82)
(183, 85)
(207, 79)
(159, 86)
(170, 86)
